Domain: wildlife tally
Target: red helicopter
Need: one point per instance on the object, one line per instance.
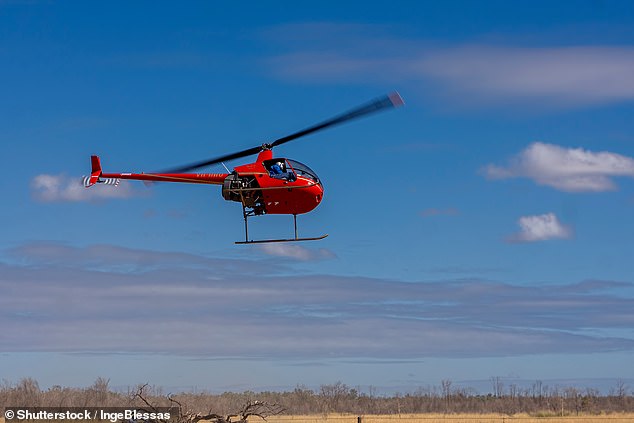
(267, 186)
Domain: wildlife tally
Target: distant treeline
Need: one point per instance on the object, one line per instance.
(538, 399)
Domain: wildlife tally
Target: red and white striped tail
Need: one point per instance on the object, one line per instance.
(110, 181)
(95, 175)
(88, 181)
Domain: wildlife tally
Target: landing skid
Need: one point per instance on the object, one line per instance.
(264, 241)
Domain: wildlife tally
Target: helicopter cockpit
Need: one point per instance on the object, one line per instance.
(289, 170)
(279, 169)
(303, 170)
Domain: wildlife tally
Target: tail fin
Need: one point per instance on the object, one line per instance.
(95, 173)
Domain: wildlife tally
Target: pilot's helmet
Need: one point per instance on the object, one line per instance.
(281, 165)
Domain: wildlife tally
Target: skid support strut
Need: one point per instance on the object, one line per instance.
(246, 215)
(246, 225)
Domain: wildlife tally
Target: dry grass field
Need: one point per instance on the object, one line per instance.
(443, 418)
(452, 418)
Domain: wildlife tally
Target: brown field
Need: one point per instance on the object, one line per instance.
(453, 418)
(446, 418)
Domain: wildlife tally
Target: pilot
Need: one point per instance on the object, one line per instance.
(278, 170)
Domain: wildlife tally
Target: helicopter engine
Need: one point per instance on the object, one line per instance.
(245, 190)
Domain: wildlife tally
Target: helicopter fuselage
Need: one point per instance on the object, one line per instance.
(295, 190)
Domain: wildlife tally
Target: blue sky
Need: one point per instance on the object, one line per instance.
(482, 230)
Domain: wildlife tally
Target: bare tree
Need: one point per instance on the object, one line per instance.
(446, 392)
(498, 386)
(621, 389)
(232, 407)
(538, 390)
(28, 392)
(334, 396)
(260, 409)
(98, 392)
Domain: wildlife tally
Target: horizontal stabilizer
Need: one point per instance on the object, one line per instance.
(109, 181)
(88, 181)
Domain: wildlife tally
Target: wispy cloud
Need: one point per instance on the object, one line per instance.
(61, 188)
(573, 76)
(541, 227)
(566, 76)
(566, 169)
(113, 259)
(296, 252)
(189, 304)
(439, 212)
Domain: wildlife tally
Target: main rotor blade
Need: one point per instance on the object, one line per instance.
(388, 101)
(225, 158)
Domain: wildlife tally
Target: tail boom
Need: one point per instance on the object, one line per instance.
(97, 176)
(192, 178)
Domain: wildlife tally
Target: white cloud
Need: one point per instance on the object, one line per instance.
(541, 228)
(564, 76)
(574, 75)
(566, 169)
(219, 307)
(297, 252)
(61, 188)
(108, 258)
